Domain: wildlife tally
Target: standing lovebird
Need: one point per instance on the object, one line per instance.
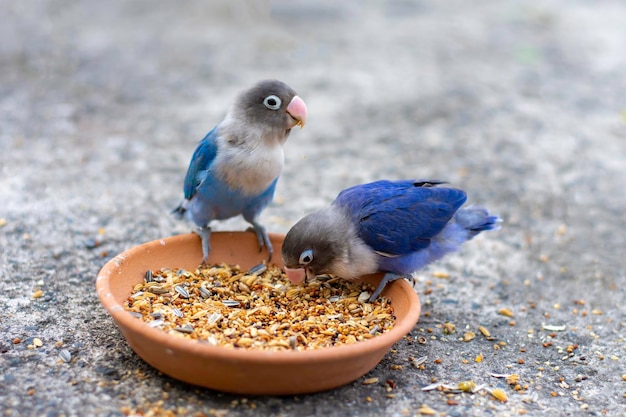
(235, 168)
(397, 227)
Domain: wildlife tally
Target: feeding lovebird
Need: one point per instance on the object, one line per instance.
(396, 227)
(235, 168)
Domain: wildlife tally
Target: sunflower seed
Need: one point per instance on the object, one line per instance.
(480, 388)
(292, 342)
(136, 314)
(204, 292)
(148, 276)
(182, 291)
(334, 298)
(177, 312)
(65, 355)
(156, 323)
(183, 272)
(156, 315)
(552, 328)
(231, 303)
(214, 317)
(375, 329)
(419, 361)
(137, 294)
(257, 269)
(187, 329)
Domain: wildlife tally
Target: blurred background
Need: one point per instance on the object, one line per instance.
(519, 103)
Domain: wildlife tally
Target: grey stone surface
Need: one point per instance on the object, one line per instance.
(519, 103)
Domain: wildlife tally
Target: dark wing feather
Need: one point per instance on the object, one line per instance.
(400, 217)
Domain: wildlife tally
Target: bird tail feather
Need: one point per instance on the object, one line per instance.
(179, 212)
(476, 220)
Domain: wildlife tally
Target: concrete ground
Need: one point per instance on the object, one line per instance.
(519, 103)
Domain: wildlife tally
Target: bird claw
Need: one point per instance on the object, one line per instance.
(387, 278)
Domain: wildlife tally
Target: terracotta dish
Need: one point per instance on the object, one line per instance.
(251, 372)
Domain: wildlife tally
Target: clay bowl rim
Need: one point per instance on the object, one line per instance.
(402, 326)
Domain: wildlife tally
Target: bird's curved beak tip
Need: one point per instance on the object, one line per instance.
(295, 275)
(297, 110)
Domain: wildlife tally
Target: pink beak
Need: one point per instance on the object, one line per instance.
(295, 275)
(297, 111)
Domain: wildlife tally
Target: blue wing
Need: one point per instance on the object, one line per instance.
(400, 217)
(201, 160)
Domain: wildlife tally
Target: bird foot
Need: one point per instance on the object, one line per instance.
(387, 278)
(205, 236)
(263, 239)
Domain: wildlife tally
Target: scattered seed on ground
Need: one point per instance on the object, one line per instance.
(499, 394)
(369, 381)
(418, 362)
(426, 410)
(468, 336)
(484, 331)
(65, 355)
(512, 379)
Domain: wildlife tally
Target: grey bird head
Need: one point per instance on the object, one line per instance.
(316, 245)
(271, 106)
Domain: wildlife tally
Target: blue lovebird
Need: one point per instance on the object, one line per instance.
(395, 227)
(235, 168)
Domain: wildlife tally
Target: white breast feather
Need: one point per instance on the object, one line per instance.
(250, 170)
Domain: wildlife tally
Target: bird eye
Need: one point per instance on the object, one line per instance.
(272, 102)
(306, 257)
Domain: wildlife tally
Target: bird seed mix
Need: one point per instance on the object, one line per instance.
(258, 309)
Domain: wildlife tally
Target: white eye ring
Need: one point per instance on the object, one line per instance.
(272, 102)
(306, 257)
